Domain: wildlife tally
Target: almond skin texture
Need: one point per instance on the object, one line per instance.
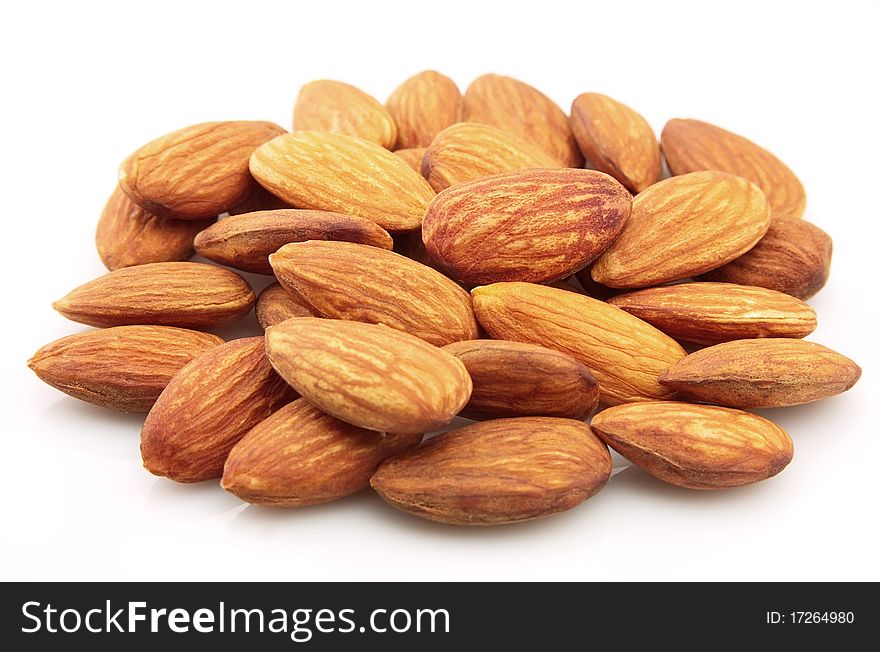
(208, 407)
(301, 456)
(691, 145)
(682, 227)
(369, 375)
(516, 107)
(246, 241)
(696, 446)
(342, 280)
(531, 225)
(794, 257)
(275, 304)
(128, 235)
(123, 368)
(497, 472)
(711, 313)
(333, 172)
(341, 108)
(412, 156)
(190, 295)
(624, 353)
(513, 379)
(763, 373)
(468, 151)
(616, 140)
(423, 106)
(196, 172)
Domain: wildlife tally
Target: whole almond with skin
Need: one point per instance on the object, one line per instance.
(333, 172)
(423, 106)
(516, 107)
(711, 313)
(762, 373)
(691, 145)
(208, 407)
(794, 257)
(275, 305)
(497, 472)
(412, 156)
(246, 241)
(190, 295)
(530, 225)
(513, 379)
(468, 151)
(128, 235)
(196, 172)
(682, 227)
(616, 140)
(341, 108)
(123, 368)
(369, 375)
(696, 446)
(624, 353)
(301, 456)
(343, 280)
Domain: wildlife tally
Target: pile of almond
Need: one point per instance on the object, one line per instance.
(481, 255)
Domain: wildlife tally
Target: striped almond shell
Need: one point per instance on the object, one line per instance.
(423, 106)
(412, 156)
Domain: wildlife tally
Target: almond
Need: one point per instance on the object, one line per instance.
(696, 446)
(516, 107)
(196, 172)
(616, 140)
(275, 304)
(513, 379)
(794, 257)
(122, 368)
(467, 151)
(423, 106)
(624, 353)
(342, 280)
(763, 373)
(369, 375)
(412, 156)
(333, 172)
(531, 225)
(191, 295)
(207, 407)
(711, 313)
(691, 145)
(497, 472)
(245, 241)
(302, 456)
(682, 227)
(341, 108)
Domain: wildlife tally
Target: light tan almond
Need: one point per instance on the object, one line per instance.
(423, 106)
(412, 156)
(275, 304)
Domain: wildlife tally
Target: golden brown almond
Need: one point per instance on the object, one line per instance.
(207, 407)
(696, 446)
(275, 304)
(531, 225)
(513, 379)
(497, 472)
(333, 172)
(711, 313)
(301, 456)
(369, 375)
(794, 257)
(762, 373)
(190, 295)
(196, 172)
(342, 280)
(682, 227)
(516, 107)
(123, 368)
(423, 106)
(691, 145)
(246, 241)
(412, 156)
(616, 140)
(624, 353)
(341, 108)
(468, 151)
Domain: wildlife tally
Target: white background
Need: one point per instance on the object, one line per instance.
(85, 84)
